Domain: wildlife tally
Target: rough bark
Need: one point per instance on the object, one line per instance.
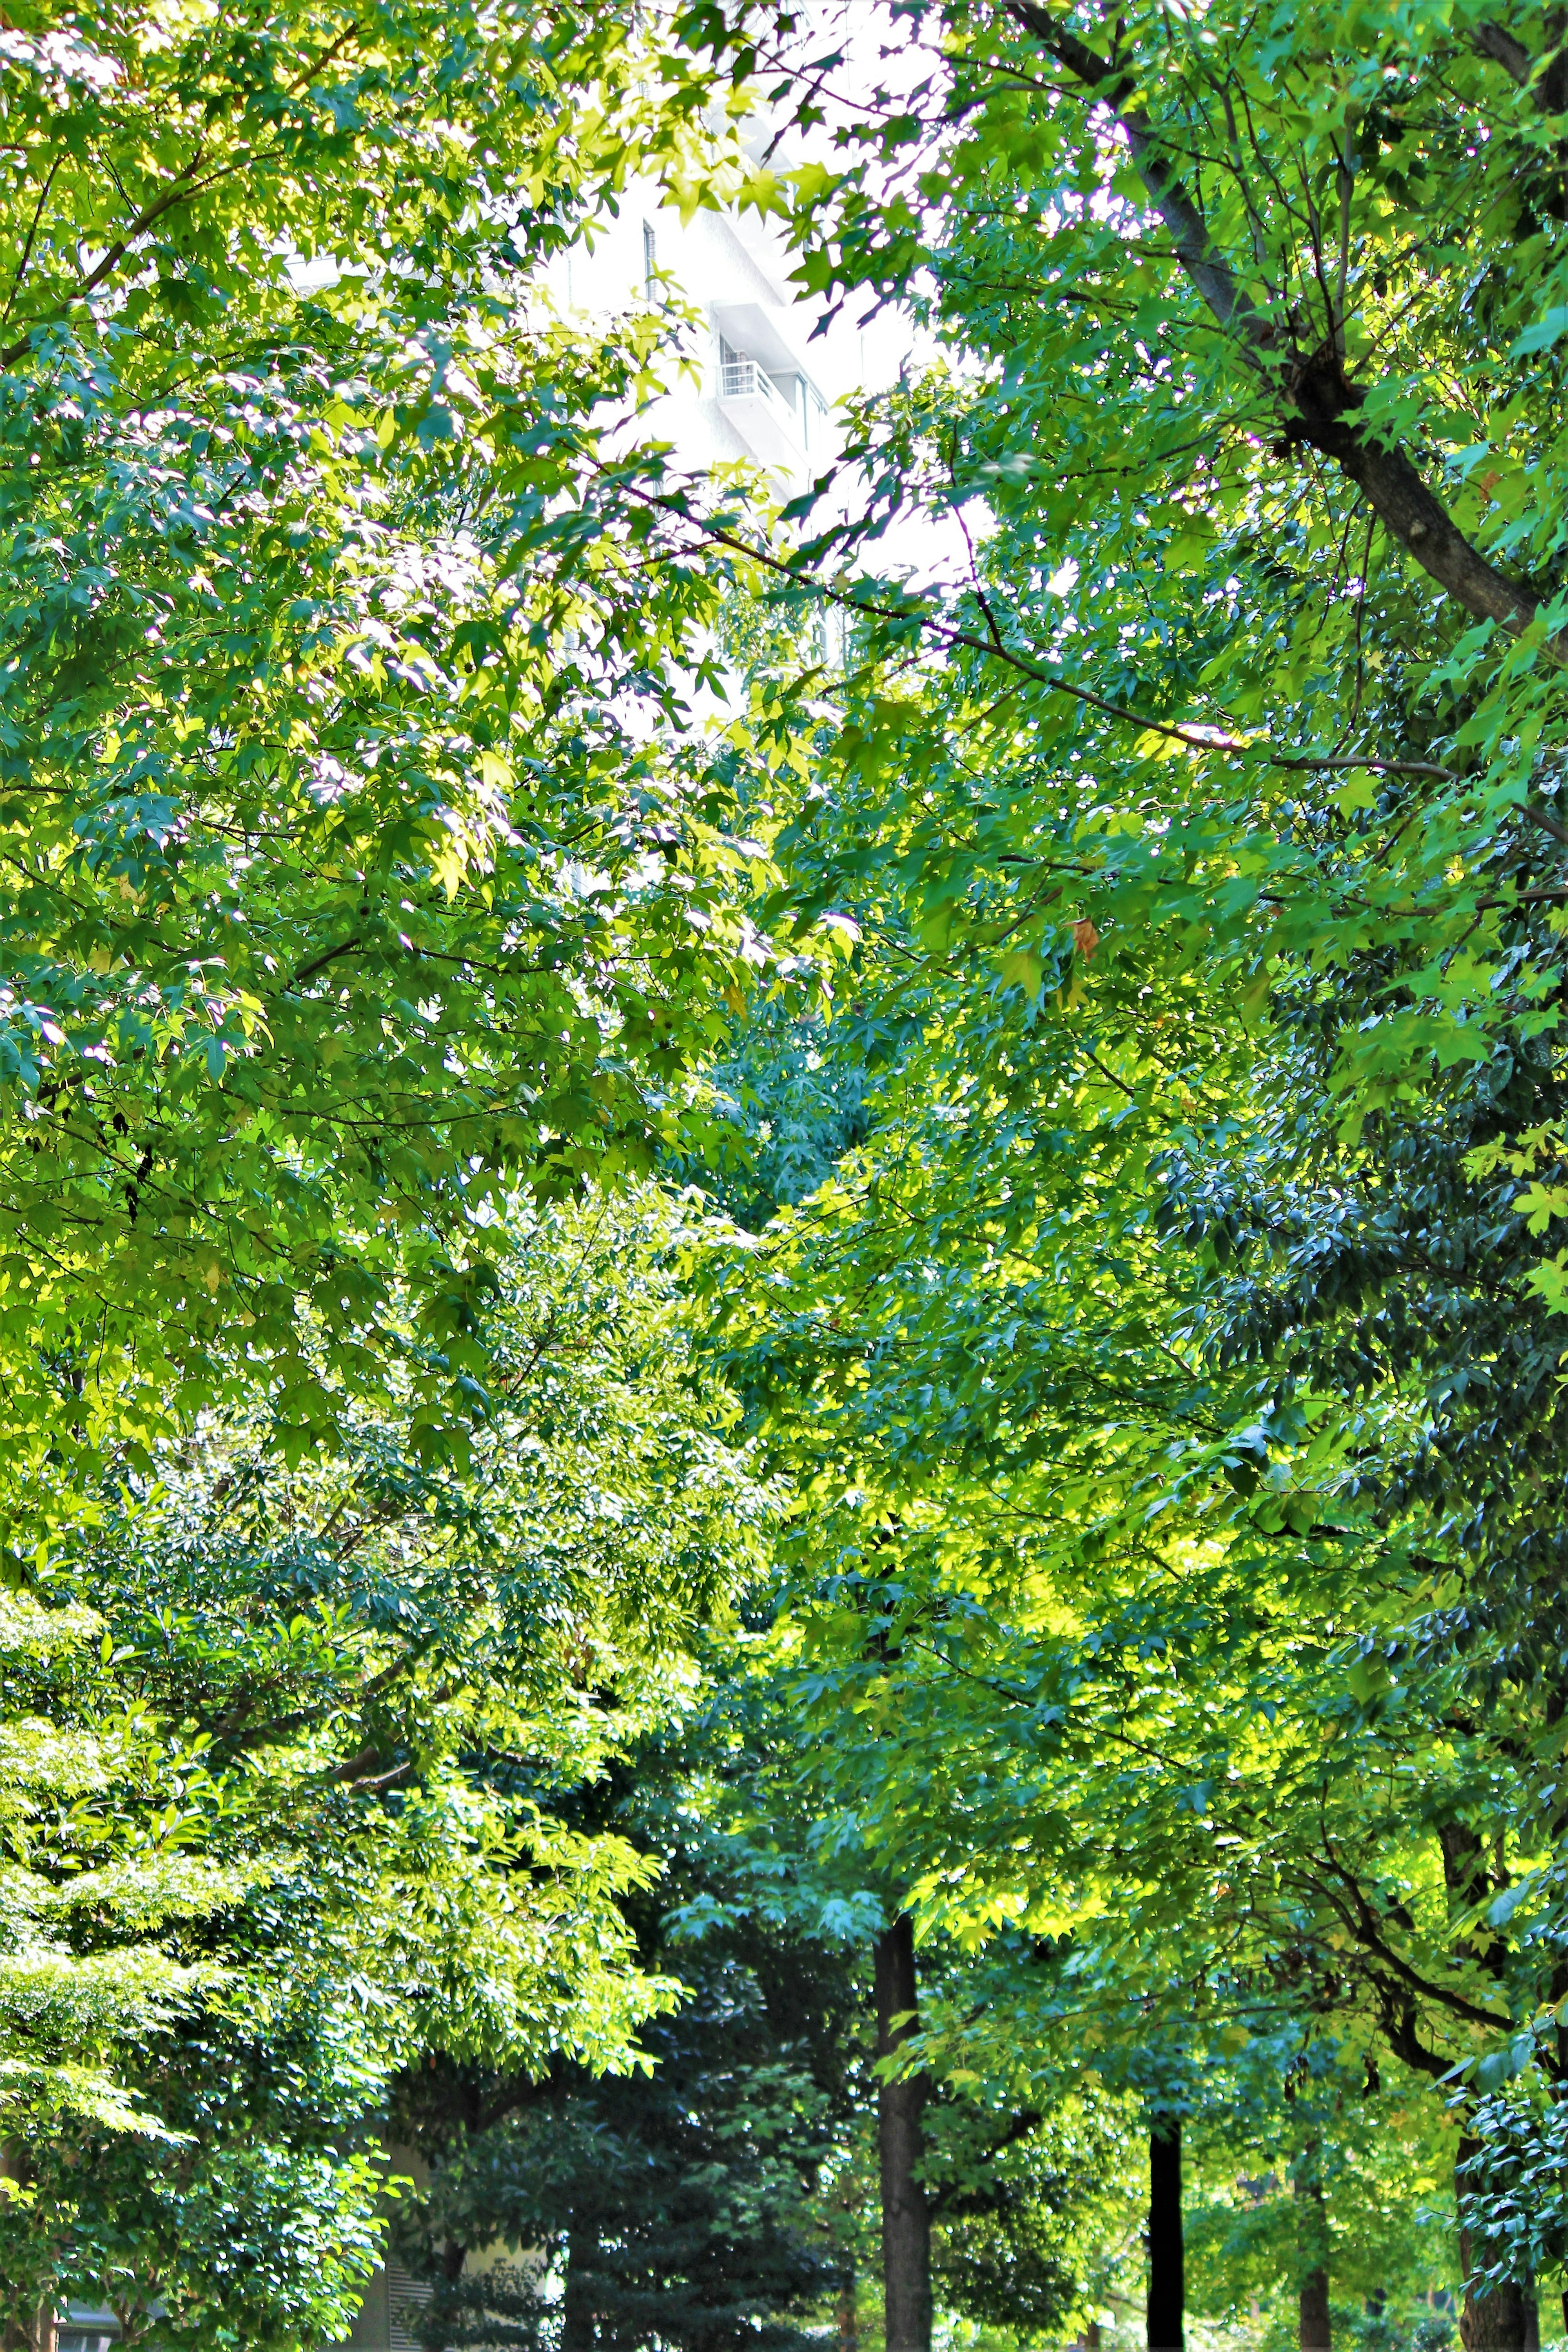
(1168, 2259)
(1496, 42)
(1319, 404)
(906, 2215)
(1497, 2322)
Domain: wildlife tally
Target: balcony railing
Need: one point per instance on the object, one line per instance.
(740, 378)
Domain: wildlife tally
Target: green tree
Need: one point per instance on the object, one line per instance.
(691, 2200)
(725, 2192)
(671, 2206)
(315, 1824)
(359, 863)
(1172, 1371)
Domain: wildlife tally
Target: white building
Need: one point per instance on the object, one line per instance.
(756, 387)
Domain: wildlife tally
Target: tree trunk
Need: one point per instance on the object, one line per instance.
(1316, 2329)
(1167, 2267)
(577, 2330)
(32, 2332)
(848, 2318)
(905, 2217)
(1495, 2320)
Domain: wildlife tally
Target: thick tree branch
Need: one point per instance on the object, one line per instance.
(1493, 41)
(1360, 1918)
(308, 969)
(232, 1728)
(1209, 272)
(1320, 402)
(1545, 77)
(1398, 2019)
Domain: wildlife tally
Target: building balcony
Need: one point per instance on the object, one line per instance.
(766, 420)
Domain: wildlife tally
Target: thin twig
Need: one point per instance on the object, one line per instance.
(32, 233)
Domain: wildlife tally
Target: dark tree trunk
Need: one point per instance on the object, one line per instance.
(1167, 2264)
(1498, 2322)
(905, 2217)
(1495, 2321)
(577, 2329)
(1316, 2327)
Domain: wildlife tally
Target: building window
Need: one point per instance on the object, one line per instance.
(650, 260)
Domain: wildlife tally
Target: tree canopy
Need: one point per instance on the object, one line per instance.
(361, 861)
(776, 1411)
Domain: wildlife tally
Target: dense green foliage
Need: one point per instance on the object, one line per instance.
(296, 1787)
(356, 865)
(1173, 1371)
(356, 871)
(1116, 1372)
(689, 2200)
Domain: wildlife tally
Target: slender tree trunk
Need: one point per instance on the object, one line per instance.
(577, 2330)
(1496, 2321)
(1167, 2266)
(905, 2217)
(1315, 2325)
(1531, 2323)
(1316, 2329)
(849, 2333)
